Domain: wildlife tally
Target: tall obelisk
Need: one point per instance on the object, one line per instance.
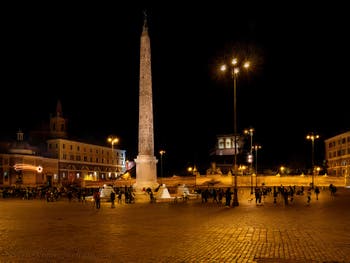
(146, 163)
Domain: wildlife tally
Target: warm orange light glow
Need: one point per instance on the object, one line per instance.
(312, 137)
(113, 140)
(28, 167)
(249, 131)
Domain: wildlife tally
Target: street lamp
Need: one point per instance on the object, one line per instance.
(161, 152)
(316, 171)
(311, 136)
(256, 147)
(250, 132)
(234, 66)
(192, 170)
(113, 140)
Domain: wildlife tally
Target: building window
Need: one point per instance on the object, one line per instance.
(228, 144)
(221, 144)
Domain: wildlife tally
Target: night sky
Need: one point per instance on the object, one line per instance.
(87, 56)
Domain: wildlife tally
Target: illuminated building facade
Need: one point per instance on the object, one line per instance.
(79, 162)
(337, 154)
(223, 154)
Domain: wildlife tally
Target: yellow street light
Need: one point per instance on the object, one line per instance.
(161, 152)
(256, 147)
(113, 140)
(250, 132)
(234, 66)
(282, 169)
(311, 136)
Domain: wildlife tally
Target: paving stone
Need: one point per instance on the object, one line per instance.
(192, 231)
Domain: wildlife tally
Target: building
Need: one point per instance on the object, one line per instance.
(337, 153)
(57, 160)
(222, 155)
(79, 162)
(22, 165)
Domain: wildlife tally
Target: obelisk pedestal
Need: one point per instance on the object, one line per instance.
(146, 172)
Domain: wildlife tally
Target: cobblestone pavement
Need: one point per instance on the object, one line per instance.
(37, 231)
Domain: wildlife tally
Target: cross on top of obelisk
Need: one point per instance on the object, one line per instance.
(145, 20)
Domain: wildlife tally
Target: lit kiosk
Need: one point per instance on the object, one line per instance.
(146, 163)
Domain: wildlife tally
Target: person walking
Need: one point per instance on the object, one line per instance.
(317, 191)
(308, 196)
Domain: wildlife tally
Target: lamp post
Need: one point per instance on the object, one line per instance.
(234, 66)
(192, 170)
(113, 140)
(311, 136)
(250, 131)
(256, 147)
(161, 152)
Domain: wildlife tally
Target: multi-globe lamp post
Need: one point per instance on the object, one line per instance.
(113, 140)
(234, 68)
(250, 132)
(312, 137)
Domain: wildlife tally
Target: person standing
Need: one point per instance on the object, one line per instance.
(97, 198)
(228, 195)
(112, 199)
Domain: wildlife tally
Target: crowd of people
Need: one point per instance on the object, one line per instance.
(284, 194)
(218, 195)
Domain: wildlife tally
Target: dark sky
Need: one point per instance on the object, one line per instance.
(87, 56)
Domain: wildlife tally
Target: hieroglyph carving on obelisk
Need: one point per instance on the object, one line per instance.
(146, 163)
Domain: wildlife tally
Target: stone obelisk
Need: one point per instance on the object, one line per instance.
(146, 163)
